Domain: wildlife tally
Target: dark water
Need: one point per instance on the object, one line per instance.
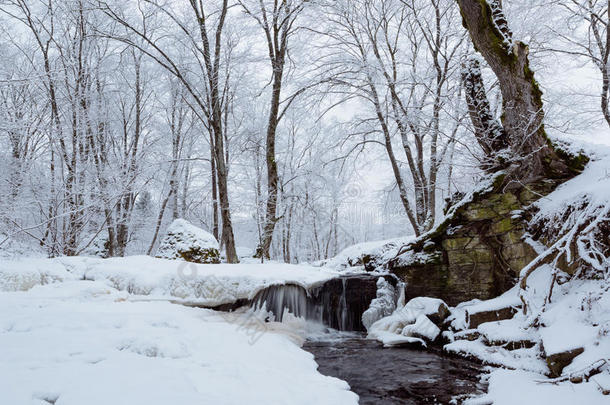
(395, 375)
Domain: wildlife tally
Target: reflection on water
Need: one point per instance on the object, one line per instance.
(390, 376)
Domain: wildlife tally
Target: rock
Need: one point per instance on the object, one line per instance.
(190, 243)
(345, 299)
(477, 251)
(558, 361)
(474, 319)
(470, 334)
(423, 329)
(435, 309)
(512, 345)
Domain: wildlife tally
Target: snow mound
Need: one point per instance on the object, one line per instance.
(190, 243)
(411, 321)
(22, 275)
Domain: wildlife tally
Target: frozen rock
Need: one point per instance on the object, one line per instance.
(558, 361)
(190, 243)
(422, 328)
(435, 309)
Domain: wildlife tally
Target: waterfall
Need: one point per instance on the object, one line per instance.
(338, 303)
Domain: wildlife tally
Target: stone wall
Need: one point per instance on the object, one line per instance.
(476, 253)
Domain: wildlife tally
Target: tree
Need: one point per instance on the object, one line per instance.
(594, 45)
(533, 157)
(277, 19)
(402, 59)
(202, 33)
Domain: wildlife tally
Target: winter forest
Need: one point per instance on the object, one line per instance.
(369, 201)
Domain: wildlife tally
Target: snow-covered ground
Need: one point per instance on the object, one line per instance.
(205, 284)
(88, 330)
(83, 342)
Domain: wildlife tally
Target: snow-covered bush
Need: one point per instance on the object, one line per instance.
(190, 243)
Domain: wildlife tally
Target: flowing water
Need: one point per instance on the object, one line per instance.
(338, 303)
(378, 375)
(388, 376)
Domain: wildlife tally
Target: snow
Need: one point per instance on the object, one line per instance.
(21, 275)
(82, 342)
(525, 359)
(510, 330)
(183, 236)
(578, 316)
(422, 327)
(508, 387)
(593, 185)
(204, 284)
(426, 305)
(350, 257)
(458, 314)
(390, 339)
(409, 321)
(382, 306)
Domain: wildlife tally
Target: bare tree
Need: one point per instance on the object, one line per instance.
(202, 34)
(277, 19)
(400, 57)
(594, 45)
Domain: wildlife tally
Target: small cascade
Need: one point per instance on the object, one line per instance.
(280, 298)
(338, 303)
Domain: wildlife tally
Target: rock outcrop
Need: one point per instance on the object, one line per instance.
(478, 251)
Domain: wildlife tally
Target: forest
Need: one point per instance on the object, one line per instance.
(323, 176)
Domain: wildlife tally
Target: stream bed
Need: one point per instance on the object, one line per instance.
(388, 376)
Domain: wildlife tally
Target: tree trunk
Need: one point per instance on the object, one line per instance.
(215, 226)
(487, 130)
(272, 175)
(533, 156)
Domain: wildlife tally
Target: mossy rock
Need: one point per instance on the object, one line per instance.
(187, 242)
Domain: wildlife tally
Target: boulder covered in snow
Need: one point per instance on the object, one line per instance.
(190, 243)
(413, 320)
(423, 328)
(435, 309)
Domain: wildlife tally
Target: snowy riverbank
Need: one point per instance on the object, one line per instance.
(81, 342)
(204, 284)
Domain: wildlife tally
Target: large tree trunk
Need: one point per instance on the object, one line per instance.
(272, 175)
(533, 156)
